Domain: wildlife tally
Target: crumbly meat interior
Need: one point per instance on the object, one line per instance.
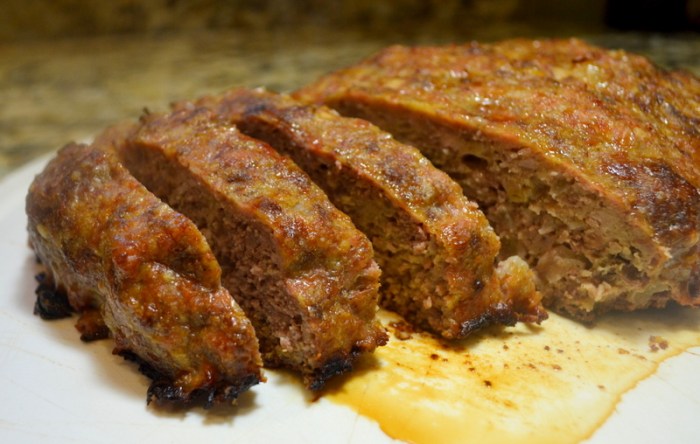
(435, 248)
(584, 159)
(427, 282)
(246, 253)
(309, 316)
(415, 272)
(588, 258)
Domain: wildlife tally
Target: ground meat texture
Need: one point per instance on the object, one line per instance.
(435, 248)
(297, 265)
(137, 270)
(584, 160)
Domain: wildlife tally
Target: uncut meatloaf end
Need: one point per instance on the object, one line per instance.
(585, 160)
(136, 270)
(435, 248)
(299, 268)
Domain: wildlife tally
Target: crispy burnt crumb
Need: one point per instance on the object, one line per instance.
(331, 368)
(402, 330)
(50, 303)
(488, 383)
(91, 326)
(162, 390)
(657, 343)
(500, 316)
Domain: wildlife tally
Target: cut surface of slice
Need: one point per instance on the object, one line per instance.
(299, 268)
(435, 248)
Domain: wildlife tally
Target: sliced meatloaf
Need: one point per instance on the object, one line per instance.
(585, 160)
(435, 248)
(298, 266)
(134, 268)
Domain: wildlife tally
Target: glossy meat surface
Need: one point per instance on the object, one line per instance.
(126, 261)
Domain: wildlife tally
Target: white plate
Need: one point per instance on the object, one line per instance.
(53, 388)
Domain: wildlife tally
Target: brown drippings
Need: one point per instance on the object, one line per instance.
(657, 343)
(551, 384)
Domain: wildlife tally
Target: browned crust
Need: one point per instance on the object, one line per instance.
(435, 248)
(126, 261)
(298, 267)
(616, 131)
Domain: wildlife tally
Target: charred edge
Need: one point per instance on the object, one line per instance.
(694, 284)
(163, 391)
(501, 315)
(331, 368)
(50, 303)
(100, 332)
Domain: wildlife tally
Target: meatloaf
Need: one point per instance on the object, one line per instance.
(134, 268)
(300, 269)
(586, 161)
(435, 248)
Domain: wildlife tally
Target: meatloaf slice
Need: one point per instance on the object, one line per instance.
(435, 248)
(299, 268)
(126, 260)
(585, 160)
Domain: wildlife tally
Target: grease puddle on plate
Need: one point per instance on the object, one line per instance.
(527, 384)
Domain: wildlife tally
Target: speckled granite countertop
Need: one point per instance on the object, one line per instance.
(58, 91)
